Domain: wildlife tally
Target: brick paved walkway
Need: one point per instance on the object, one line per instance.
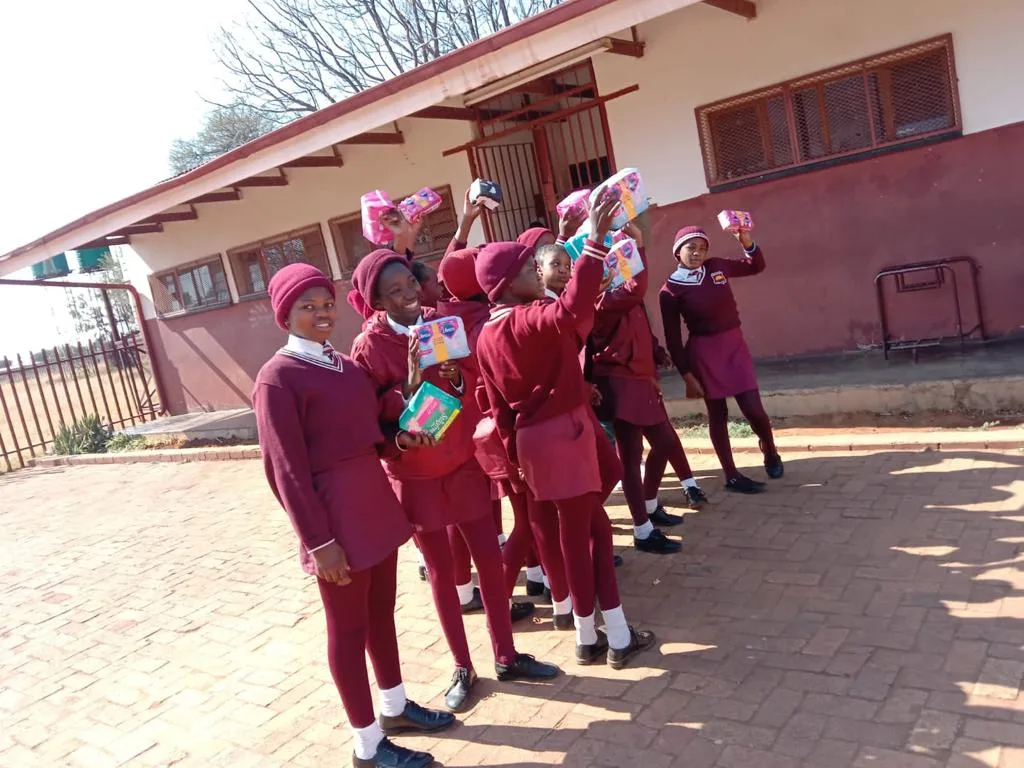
(867, 612)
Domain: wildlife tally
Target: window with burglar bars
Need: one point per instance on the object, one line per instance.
(437, 231)
(895, 98)
(198, 285)
(254, 265)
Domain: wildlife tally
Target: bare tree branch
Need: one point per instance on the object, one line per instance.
(293, 57)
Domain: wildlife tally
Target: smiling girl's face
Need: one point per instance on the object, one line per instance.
(313, 315)
(398, 294)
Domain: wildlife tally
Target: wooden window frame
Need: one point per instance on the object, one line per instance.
(157, 287)
(242, 278)
(345, 259)
(761, 97)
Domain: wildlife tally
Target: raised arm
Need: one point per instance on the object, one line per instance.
(286, 463)
(752, 262)
(628, 295)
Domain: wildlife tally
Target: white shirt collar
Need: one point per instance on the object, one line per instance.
(685, 276)
(548, 293)
(312, 351)
(402, 330)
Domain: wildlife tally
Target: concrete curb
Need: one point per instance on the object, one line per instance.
(950, 440)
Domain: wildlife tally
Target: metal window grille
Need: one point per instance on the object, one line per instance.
(899, 97)
(435, 234)
(254, 265)
(190, 287)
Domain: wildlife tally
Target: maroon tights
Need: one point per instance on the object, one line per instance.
(460, 552)
(361, 622)
(536, 524)
(483, 546)
(586, 538)
(718, 427)
(665, 442)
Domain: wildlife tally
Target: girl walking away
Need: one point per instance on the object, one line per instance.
(440, 485)
(625, 372)
(715, 363)
(534, 389)
(317, 418)
(534, 524)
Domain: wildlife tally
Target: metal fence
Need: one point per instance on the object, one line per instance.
(44, 391)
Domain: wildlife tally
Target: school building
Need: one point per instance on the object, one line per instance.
(861, 135)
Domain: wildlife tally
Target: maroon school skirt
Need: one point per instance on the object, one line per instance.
(636, 401)
(367, 520)
(722, 363)
(457, 497)
(559, 456)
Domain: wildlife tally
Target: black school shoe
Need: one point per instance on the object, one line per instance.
(773, 465)
(639, 641)
(476, 604)
(526, 667)
(537, 589)
(744, 485)
(520, 611)
(416, 719)
(589, 654)
(657, 544)
(617, 561)
(663, 519)
(393, 756)
(695, 497)
(456, 698)
(423, 572)
(562, 622)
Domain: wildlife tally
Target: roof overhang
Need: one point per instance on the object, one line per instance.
(526, 45)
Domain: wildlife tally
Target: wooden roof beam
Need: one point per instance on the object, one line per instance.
(263, 181)
(388, 137)
(106, 242)
(163, 218)
(223, 196)
(315, 161)
(744, 8)
(447, 113)
(138, 229)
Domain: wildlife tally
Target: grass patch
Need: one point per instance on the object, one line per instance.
(698, 428)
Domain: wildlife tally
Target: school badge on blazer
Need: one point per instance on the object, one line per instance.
(719, 278)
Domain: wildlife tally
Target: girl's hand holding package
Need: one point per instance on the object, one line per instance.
(570, 223)
(415, 375)
(745, 238)
(633, 231)
(450, 371)
(406, 440)
(601, 217)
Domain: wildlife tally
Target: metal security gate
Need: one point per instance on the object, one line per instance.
(540, 141)
(107, 373)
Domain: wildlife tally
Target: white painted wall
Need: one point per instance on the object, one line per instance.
(313, 195)
(699, 55)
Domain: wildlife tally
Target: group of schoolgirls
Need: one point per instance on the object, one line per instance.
(357, 487)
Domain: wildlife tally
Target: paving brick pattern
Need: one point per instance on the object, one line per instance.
(867, 612)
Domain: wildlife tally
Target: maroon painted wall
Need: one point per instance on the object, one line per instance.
(825, 234)
(208, 360)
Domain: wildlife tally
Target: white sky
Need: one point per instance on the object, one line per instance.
(93, 92)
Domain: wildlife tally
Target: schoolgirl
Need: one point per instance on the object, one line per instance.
(441, 485)
(316, 413)
(716, 363)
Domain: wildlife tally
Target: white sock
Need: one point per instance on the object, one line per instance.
(643, 531)
(535, 573)
(586, 631)
(546, 582)
(689, 483)
(652, 504)
(420, 560)
(502, 538)
(562, 607)
(366, 740)
(465, 592)
(392, 701)
(616, 627)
